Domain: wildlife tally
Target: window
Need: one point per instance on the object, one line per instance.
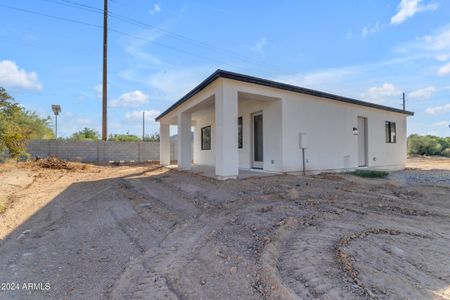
(240, 132)
(391, 132)
(206, 138)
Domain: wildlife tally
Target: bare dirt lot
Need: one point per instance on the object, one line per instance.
(145, 232)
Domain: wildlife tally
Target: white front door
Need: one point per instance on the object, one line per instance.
(362, 142)
(257, 141)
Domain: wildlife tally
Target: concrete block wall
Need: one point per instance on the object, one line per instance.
(98, 151)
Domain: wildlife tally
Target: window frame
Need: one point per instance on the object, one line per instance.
(202, 142)
(240, 133)
(390, 129)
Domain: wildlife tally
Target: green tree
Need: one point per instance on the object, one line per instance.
(152, 137)
(123, 137)
(18, 125)
(85, 134)
(424, 145)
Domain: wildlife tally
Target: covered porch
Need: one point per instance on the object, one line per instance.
(226, 132)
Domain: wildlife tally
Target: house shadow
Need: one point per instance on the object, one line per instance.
(77, 245)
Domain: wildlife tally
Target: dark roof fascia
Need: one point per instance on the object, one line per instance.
(277, 85)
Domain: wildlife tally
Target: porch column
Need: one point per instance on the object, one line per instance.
(184, 147)
(164, 144)
(226, 149)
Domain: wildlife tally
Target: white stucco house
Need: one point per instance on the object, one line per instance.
(245, 122)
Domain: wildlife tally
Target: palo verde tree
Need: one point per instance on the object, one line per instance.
(17, 126)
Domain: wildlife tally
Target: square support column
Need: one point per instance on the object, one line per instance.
(226, 150)
(164, 144)
(184, 140)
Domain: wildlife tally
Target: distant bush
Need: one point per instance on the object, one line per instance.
(123, 137)
(446, 152)
(428, 145)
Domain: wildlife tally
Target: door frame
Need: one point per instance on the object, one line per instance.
(366, 143)
(255, 164)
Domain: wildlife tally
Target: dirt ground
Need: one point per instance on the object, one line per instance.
(145, 232)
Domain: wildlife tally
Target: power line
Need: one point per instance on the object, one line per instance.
(134, 22)
(113, 30)
(77, 5)
(50, 16)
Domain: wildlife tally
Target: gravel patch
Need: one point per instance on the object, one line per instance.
(422, 177)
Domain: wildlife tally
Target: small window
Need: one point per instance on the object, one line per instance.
(391, 132)
(206, 138)
(240, 132)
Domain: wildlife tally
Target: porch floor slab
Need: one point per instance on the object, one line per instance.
(210, 171)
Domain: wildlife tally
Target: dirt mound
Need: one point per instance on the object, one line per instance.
(54, 163)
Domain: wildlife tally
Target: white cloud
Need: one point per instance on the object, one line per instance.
(437, 110)
(443, 57)
(168, 84)
(443, 124)
(30, 38)
(131, 99)
(444, 70)
(139, 50)
(136, 115)
(11, 76)
(423, 93)
(317, 78)
(408, 8)
(379, 94)
(98, 90)
(156, 8)
(259, 46)
(371, 29)
(84, 121)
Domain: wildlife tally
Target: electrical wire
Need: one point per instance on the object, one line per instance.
(134, 22)
(115, 31)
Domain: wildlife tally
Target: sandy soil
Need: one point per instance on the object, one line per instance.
(429, 163)
(144, 232)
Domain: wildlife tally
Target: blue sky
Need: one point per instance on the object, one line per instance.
(369, 50)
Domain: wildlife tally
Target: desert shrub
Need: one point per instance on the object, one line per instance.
(369, 173)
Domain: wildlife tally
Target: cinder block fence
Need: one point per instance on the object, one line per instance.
(97, 151)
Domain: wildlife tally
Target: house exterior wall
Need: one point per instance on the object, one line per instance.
(332, 144)
(271, 127)
(204, 157)
(271, 111)
(328, 124)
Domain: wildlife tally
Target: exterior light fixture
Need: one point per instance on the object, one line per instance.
(355, 131)
(56, 108)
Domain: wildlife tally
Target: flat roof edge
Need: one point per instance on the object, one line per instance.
(278, 85)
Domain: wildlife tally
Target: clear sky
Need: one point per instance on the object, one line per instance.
(51, 52)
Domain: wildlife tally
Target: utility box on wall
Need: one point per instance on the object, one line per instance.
(303, 140)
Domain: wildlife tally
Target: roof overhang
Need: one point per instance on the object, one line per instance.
(278, 85)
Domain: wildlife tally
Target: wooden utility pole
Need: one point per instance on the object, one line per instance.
(404, 100)
(143, 125)
(105, 73)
